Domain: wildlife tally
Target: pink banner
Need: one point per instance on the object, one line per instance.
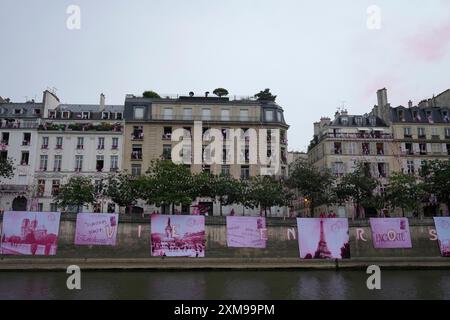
(96, 229)
(178, 236)
(323, 238)
(30, 233)
(246, 232)
(389, 233)
(443, 232)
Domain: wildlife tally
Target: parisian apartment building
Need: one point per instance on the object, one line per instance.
(50, 141)
(150, 124)
(386, 140)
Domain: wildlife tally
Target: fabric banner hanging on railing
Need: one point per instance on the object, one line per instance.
(178, 236)
(96, 229)
(30, 233)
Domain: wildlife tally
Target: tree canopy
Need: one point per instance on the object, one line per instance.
(77, 191)
(150, 94)
(220, 92)
(265, 95)
(6, 168)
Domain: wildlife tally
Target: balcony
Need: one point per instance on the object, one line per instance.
(435, 137)
(113, 169)
(18, 125)
(137, 136)
(114, 147)
(80, 147)
(351, 136)
(136, 155)
(5, 142)
(58, 146)
(49, 126)
(211, 118)
(26, 142)
(43, 169)
(167, 136)
(44, 146)
(100, 147)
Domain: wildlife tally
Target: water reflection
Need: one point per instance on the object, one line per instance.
(263, 285)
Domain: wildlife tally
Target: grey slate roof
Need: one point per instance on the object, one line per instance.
(420, 114)
(7, 110)
(352, 121)
(89, 108)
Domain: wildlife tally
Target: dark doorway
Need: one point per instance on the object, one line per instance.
(371, 212)
(19, 204)
(206, 207)
(134, 210)
(430, 211)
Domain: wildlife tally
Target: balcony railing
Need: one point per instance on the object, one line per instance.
(18, 125)
(211, 118)
(136, 155)
(357, 136)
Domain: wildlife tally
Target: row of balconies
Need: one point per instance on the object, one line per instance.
(78, 169)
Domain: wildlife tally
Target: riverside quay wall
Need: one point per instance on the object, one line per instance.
(133, 241)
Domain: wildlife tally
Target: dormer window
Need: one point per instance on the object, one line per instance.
(17, 111)
(416, 115)
(445, 116)
(37, 112)
(373, 121)
(85, 115)
(429, 116)
(105, 115)
(344, 121)
(52, 114)
(65, 115)
(401, 115)
(118, 115)
(359, 121)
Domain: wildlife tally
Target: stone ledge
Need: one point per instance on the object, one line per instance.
(25, 264)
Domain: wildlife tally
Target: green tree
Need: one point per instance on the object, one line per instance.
(404, 191)
(6, 168)
(167, 183)
(436, 179)
(123, 189)
(78, 191)
(220, 92)
(312, 184)
(227, 190)
(266, 192)
(265, 95)
(358, 187)
(150, 94)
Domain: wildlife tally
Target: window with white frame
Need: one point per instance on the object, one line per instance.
(243, 114)
(167, 113)
(114, 166)
(206, 114)
(80, 143)
(57, 162)
(43, 163)
(225, 114)
(187, 114)
(138, 112)
(78, 162)
(101, 143)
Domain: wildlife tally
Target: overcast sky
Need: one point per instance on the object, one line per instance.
(315, 55)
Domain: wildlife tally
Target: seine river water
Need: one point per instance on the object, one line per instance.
(407, 284)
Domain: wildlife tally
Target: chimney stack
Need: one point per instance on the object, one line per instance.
(382, 97)
(410, 104)
(102, 102)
